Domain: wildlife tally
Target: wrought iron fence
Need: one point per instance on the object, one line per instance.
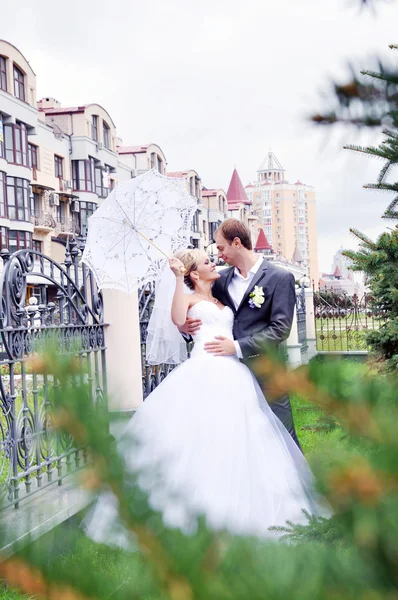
(152, 375)
(32, 454)
(301, 318)
(342, 321)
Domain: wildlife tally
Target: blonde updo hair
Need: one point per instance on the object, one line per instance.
(190, 259)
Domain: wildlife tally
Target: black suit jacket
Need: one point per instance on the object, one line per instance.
(255, 327)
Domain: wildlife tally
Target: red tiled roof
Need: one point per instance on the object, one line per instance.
(236, 192)
(262, 242)
(61, 110)
(177, 174)
(337, 272)
(209, 192)
(132, 149)
(298, 182)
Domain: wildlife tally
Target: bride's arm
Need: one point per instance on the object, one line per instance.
(180, 304)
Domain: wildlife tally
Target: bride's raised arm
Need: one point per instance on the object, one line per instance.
(180, 305)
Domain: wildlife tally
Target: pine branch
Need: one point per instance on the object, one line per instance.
(364, 239)
(382, 187)
(370, 150)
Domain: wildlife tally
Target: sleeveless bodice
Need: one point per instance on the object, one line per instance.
(214, 322)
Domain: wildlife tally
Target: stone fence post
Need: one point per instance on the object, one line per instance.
(310, 323)
(293, 346)
(123, 354)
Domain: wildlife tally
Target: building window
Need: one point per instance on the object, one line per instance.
(86, 210)
(107, 135)
(35, 205)
(1, 137)
(33, 159)
(3, 238)
(19, 84)
(18, 199)
(83, 175)
(204, 227)
(197, 188)
(61, 212)
(16, 144)
(195, 223)
(19, 240)
(160, 164)
(3, 194)
(37, 246)
(33, 162)
(94, 128)
(3, 73)
(102, 181)
(58, 166)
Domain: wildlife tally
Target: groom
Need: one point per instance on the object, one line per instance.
(265, 318)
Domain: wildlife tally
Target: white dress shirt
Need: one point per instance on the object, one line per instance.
(238, 287)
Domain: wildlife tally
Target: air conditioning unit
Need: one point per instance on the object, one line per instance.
(67, 184)
(53, 199)
(75, 206)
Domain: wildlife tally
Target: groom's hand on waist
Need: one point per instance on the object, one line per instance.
(190, 327)
(221, 346)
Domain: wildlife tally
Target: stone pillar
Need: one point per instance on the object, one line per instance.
(293, 346)
(123, 351)
(310, 323)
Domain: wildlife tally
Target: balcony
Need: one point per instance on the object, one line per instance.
(44, 222)
(67, 227)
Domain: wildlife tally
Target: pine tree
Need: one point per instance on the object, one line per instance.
(373, 102)
(354, 555)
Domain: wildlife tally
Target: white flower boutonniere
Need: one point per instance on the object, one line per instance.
(256, 298)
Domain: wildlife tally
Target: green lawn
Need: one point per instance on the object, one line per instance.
(309, 429)
(310, 426)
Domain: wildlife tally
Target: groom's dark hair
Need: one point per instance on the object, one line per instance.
(232, 228)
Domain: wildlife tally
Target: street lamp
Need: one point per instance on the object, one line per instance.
(211, 251)
(304, 281)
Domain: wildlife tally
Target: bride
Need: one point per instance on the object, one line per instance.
(200, 443)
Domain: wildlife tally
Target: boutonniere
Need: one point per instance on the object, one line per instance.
(256, 297)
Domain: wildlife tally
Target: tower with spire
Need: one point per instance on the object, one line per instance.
(286, 213)
(270, 169)
(239, 205)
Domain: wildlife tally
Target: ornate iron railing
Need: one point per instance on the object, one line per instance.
(152, 375)
(32, 454)
(342, 321)
(301, 318)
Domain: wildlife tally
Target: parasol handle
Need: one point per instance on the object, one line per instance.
(182, 269)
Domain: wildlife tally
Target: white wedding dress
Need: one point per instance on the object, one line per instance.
(206, 448)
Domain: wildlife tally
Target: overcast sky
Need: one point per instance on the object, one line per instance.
(216, 83)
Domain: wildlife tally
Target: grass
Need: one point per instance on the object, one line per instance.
(309, 426)
(8, 594)
(308, 421)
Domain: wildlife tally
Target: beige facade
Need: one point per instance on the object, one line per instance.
(194, 187)
(142, 158)
(67, 161)
(215, 211)
(287, 214)
(244, 213)
(18, 127)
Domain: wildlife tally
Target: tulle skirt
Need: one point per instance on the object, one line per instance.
(201, 445)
